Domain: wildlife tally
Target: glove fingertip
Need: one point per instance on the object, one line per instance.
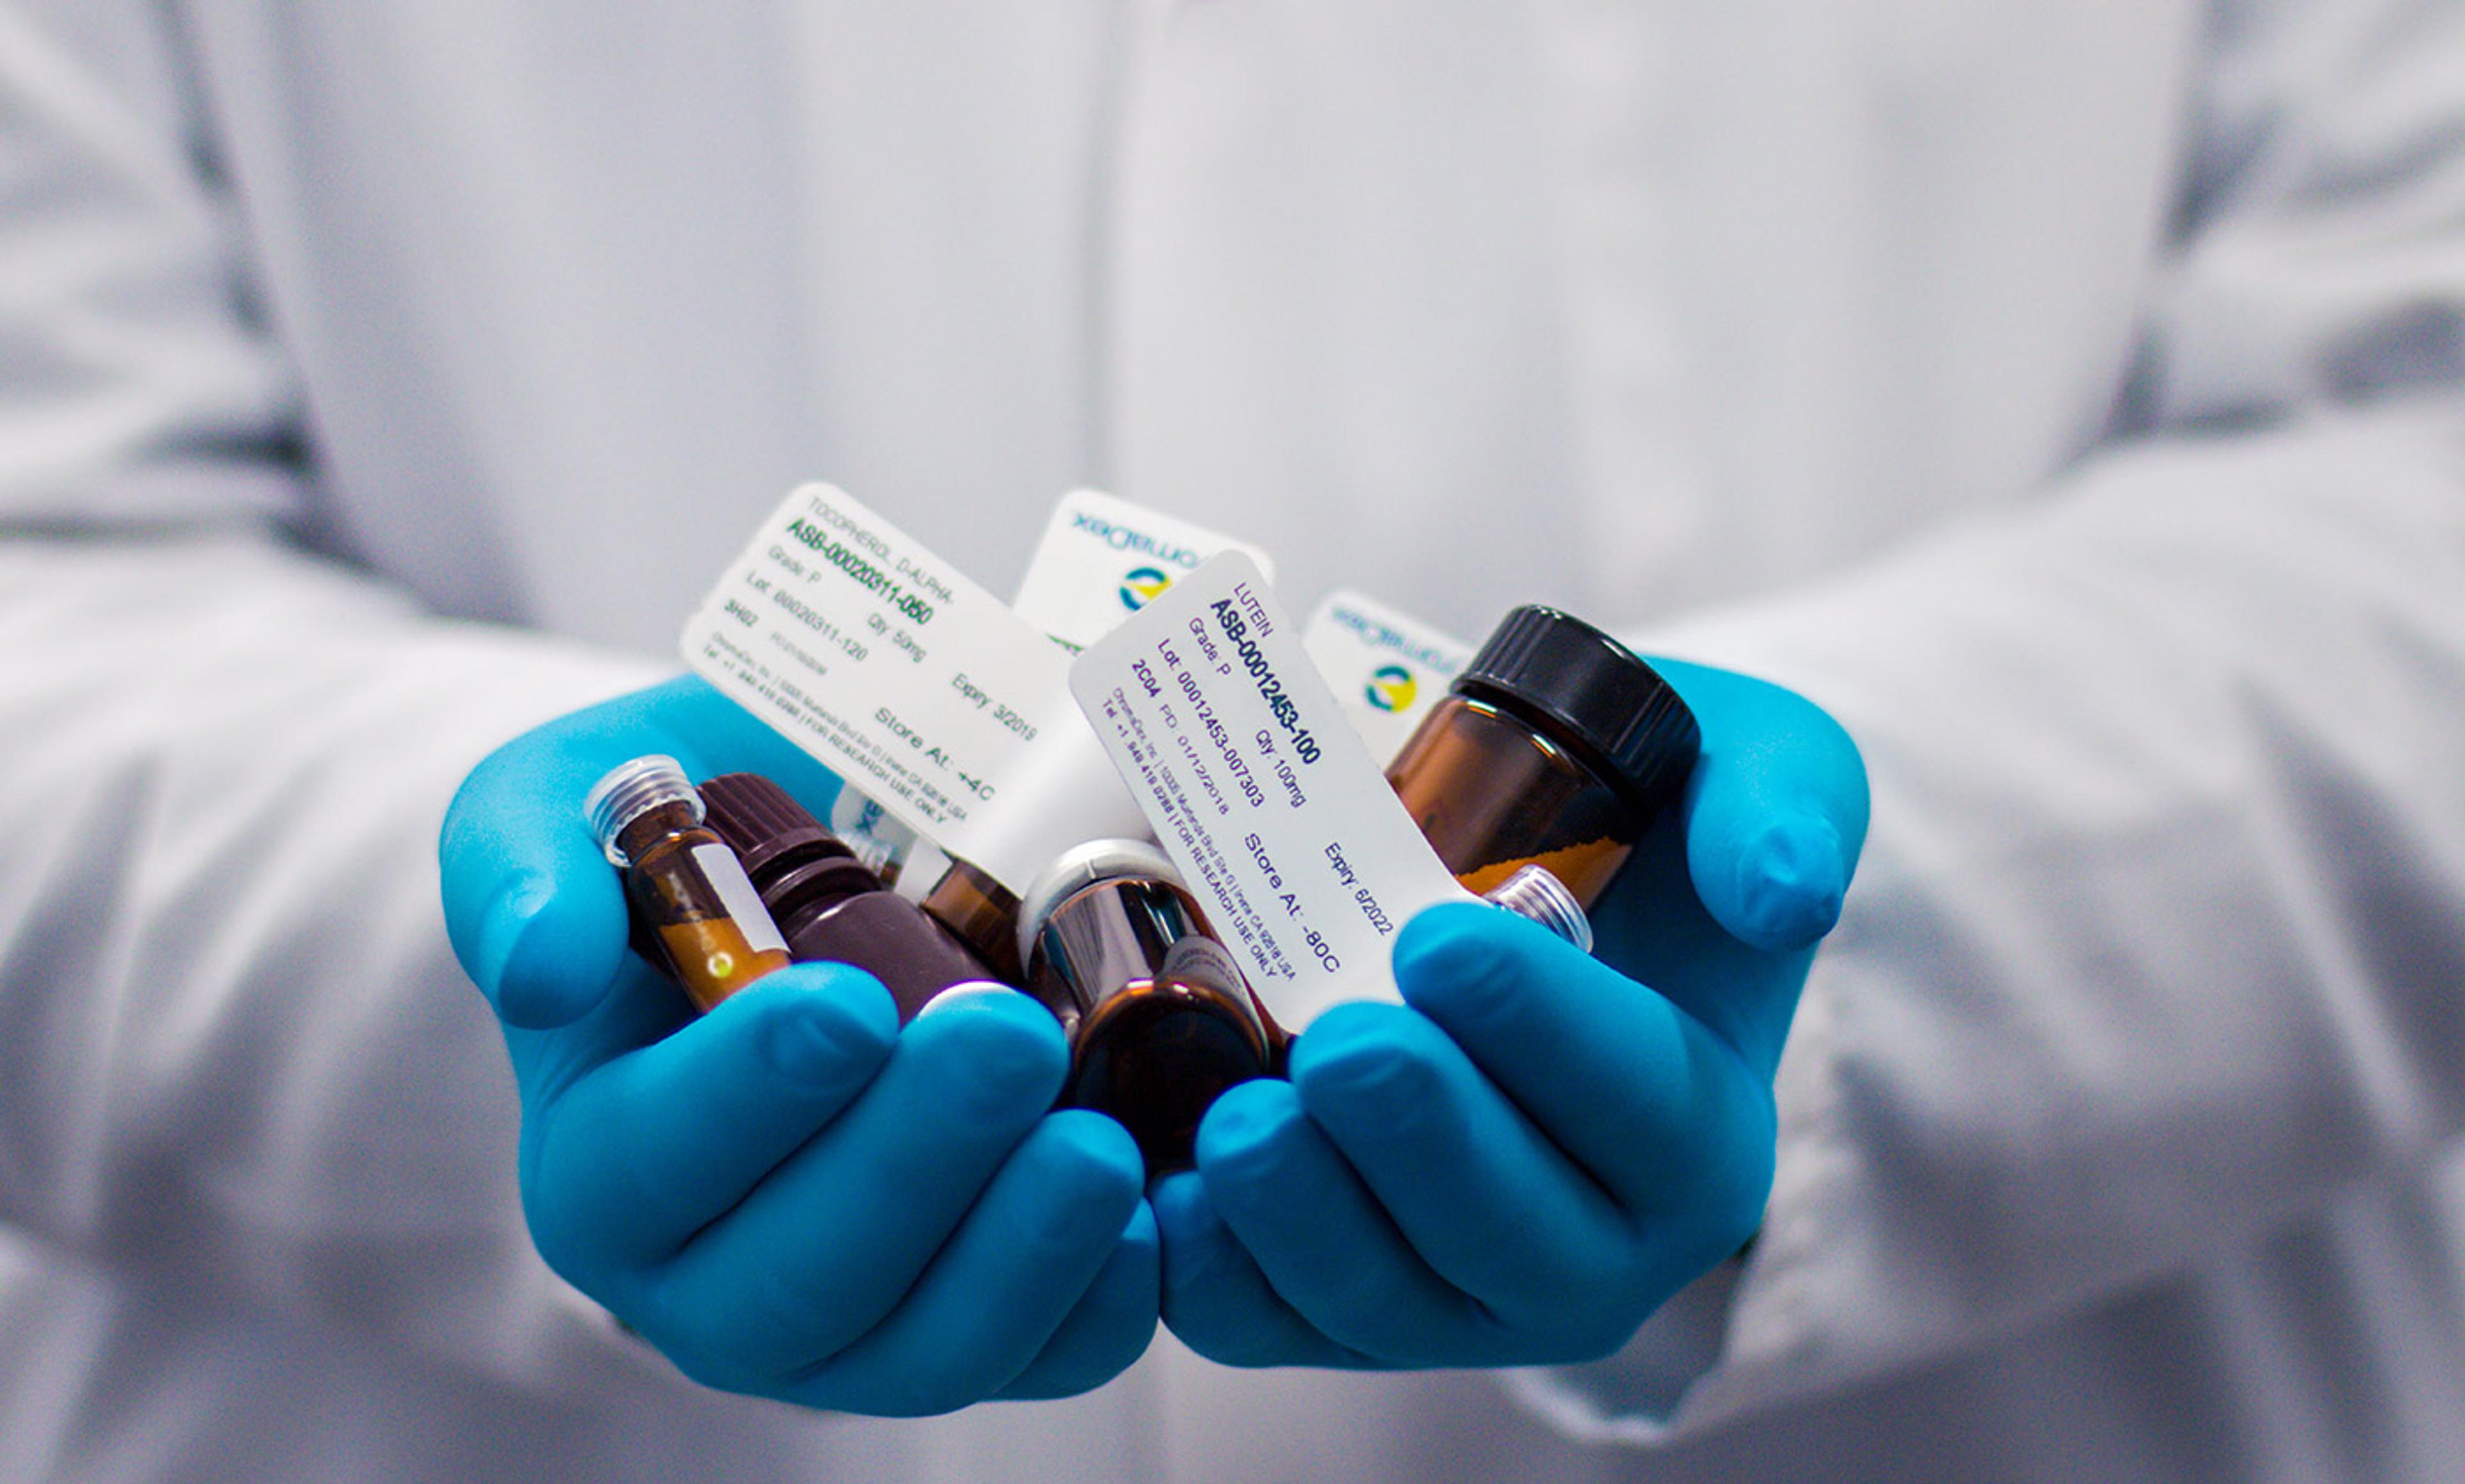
(1453, 940)
(1788, 885)
(1141, 1233)
(485, 939)
(1467, 964)
(824, 1020)
(1375, 1058)
(1112, 1166)
(1238, 1136)
(1011, 1049)
(1178, 1203)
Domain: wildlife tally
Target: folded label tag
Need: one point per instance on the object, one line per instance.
(1103, 558)
(914, 684)
(1385, 667)
(1254, 783)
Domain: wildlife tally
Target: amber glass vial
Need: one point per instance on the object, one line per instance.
(1160, 1018)
(1555, 747)
(983, 912)
(829, 904)
(682, 884)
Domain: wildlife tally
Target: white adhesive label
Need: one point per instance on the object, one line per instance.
(1254, 781)
(914, 684)
(726, 876)
(1385, 667)
(1103, 558)
(918, 871)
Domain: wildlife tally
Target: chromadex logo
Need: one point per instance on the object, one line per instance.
(1141, 586)
(1391, 688)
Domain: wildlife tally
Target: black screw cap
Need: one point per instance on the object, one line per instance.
(1614, 711)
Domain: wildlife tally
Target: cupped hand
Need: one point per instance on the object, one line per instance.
(1522, 1161)
(790, 1196)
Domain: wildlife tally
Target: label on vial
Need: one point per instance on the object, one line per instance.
(914, 684)
(882, 843)
(1385, 667)
(1103, 559)
(726, 875)
(1197, 959)
(1280, 821)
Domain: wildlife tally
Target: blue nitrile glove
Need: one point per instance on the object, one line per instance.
(790, 1196)
(1523, 1160)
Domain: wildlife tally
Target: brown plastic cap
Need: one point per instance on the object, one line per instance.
(762, 823)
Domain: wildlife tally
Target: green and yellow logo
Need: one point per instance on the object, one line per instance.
(1141, 587)
(1391, 688)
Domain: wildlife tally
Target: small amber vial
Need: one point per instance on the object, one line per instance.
(982, 912)
(830, 906)
(1160, 1018)
(1555, 747)
(685, 888)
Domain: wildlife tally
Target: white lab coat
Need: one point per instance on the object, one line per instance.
(2066, 395)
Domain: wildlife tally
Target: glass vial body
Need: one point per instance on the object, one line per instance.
(1494, 794)
(1555, 747)
(831, 906)
(682, 884)
(1160, 1018)
(983, 912)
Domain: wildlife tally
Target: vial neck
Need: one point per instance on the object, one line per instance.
(647, 831)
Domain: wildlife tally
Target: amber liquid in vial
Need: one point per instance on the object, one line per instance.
(708, 950)
(1493, 795)
(983, 912)
(1555, 747)
(682, 882)
(1161, 1020)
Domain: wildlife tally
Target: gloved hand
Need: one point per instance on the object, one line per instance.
(790, 1196)
(1525, 1159)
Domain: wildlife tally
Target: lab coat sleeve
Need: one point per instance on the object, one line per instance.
(238, 1058)
(2159, 935)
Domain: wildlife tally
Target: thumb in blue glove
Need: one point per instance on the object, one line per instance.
(1533, 1152)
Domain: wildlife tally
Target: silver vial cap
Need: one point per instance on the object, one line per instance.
(1535, 891)
(1080, 867)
